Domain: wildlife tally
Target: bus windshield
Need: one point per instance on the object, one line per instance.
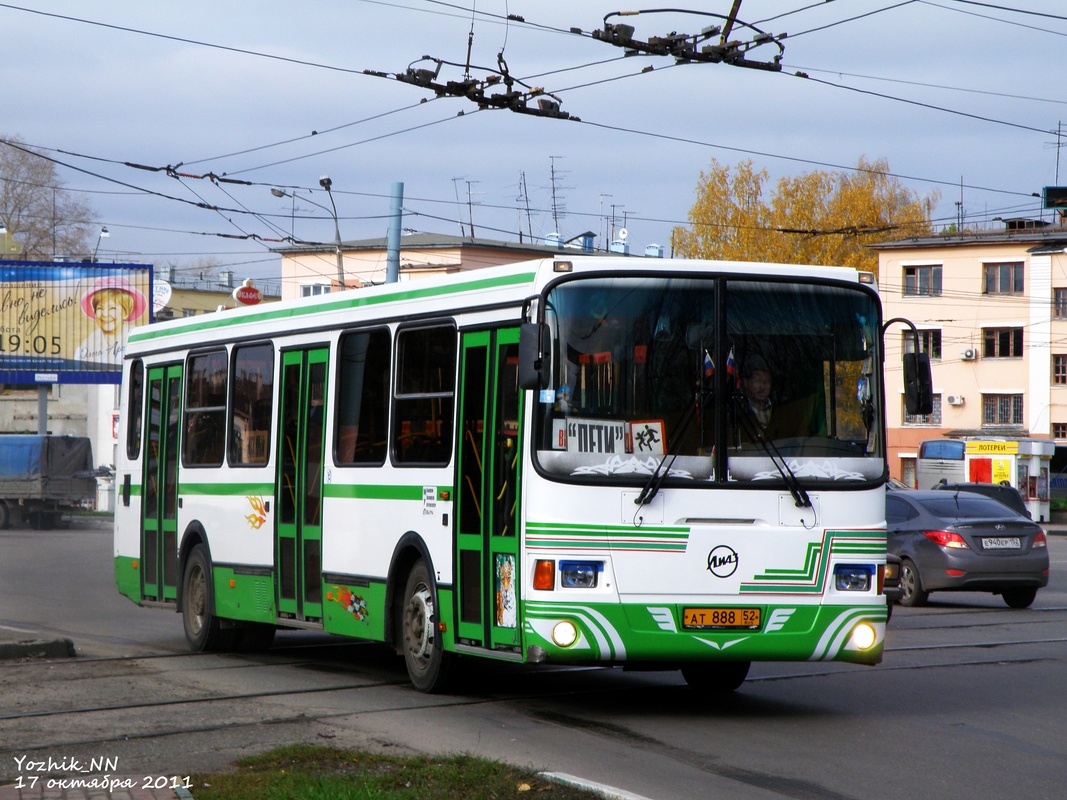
(710, 379)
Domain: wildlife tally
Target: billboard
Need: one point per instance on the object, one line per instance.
(67, 323)
(1054, 196)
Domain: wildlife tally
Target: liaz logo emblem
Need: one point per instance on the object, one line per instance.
(722, 561)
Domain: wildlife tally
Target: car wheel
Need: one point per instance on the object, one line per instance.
(1019, 598)
(716, 677)
(911, 586)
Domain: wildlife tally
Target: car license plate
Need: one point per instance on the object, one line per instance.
(721, 618)
(1001, 543)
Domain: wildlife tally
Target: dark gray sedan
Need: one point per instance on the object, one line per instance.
(961, 541)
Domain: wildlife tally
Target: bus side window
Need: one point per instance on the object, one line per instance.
(425, 395)
(252, 391)
(205, 409)
(135, 410)
(362, 432)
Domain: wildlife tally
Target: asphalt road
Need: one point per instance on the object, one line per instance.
(968, 703)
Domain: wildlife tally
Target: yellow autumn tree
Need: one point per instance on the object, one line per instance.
(816, 218)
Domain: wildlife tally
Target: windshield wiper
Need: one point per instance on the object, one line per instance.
(655, 480)
(755, 433)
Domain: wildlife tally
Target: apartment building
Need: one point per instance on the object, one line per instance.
(991, 310)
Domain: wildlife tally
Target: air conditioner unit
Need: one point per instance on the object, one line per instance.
(955, 399)
(970, 354)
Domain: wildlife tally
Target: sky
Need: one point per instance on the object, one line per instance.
(962, 98)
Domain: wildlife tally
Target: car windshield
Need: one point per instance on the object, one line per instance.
(962, 505)
(710, 379)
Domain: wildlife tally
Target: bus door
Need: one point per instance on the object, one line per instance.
(298, 493)
(159, 527)
(487, 493)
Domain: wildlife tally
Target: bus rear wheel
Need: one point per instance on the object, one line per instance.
(716, 677)
(202, 628)
(427, 663)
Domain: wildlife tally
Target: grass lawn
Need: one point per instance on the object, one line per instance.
(304, 772)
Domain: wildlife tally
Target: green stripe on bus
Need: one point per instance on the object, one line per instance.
(349, 300)
(618, 538)
(333, 490)
(227, 489)
(366, 491)
(614, 529)
(812, 576)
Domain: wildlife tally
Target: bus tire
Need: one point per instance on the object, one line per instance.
(912, 594)
(716, 677)
(202, 628)
(427, 663)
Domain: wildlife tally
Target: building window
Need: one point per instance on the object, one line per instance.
(312, 289)
(1059, 430)
(1059, 370)
(22, 391)
(1002, 409)
(922, 281)
(1059, 303)
(1003, 278)
(1002, 342)
(929, 343)
(907, 471)
(933, 418)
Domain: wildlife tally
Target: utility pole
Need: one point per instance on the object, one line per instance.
(459, 212)
(470, 206)
(558, 209)
(604, 222)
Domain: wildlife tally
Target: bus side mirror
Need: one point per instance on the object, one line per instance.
(531, 359)
(918, 384)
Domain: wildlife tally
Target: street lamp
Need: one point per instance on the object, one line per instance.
(325, 183)
(104, 234)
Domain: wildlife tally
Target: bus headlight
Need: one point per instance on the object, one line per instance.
(579, 574)
(564, 633)
(853, 577)
(864, 636)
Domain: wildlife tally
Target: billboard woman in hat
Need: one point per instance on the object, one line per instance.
(113, 303)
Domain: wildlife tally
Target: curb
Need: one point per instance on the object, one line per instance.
(607, 792)
(37, 648)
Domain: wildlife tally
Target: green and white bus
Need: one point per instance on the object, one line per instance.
(551, 462)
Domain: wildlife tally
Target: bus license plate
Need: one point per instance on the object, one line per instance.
(720, 618)
(1001, 543)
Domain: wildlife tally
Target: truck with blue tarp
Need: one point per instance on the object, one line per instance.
(43, 476)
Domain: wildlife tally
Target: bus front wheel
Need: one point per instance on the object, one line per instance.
(427, 662)
(202, 629)
(716, 677)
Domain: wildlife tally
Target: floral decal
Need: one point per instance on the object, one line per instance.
(259, 512)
